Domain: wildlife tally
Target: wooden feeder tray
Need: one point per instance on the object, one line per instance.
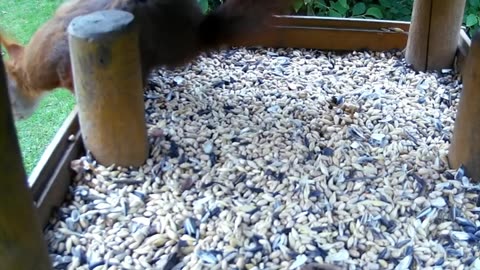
(52, 176)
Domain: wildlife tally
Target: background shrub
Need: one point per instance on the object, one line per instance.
(471, 18)
(376, 9)
(373, 9)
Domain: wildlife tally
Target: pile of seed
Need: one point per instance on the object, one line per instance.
(278, 159)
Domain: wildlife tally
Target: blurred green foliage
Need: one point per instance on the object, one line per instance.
(373, 9)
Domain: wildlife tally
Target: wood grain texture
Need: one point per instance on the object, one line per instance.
(53, 155)
(334, 39)
(22, 246)
(446, 23)
(462, 51)
(332, 34)
(465, 147)
(434, 33)
(108, 83)
(50, 179)
(417, 44)
(338, 23)
(55, 188)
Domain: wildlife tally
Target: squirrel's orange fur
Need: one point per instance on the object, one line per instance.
(171, 33)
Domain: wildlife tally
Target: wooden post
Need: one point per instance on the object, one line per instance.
(22, 246)
(465, 147)
(434, 33)
(108, 86)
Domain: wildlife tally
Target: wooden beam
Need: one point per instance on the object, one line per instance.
(434, 33)
(465, 147)
(331, 34)
(50, 179)
(108, 86)
(22, 246)
(53, 154)
(462, 51)
(330, 39)
(55, 189)
(339, 23)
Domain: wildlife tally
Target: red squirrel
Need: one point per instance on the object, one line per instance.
(171, 33)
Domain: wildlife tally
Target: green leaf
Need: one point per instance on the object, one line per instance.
(310, 11)
(471, 20)
(343, 3)
(374, 12)
(406, 11)
(385, 3)
(359, 9)
(297, 5)
(339, 8)
(320, 4)
(474, 3)
(203, 5)
(333, 13)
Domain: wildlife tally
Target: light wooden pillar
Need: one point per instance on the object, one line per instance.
(108, 86)
(22, 246)
(465, 147)
(434, 33)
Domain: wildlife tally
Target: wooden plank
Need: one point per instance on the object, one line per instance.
(22, 245)
(338, 23)
(108, 76)
(330, 39)
(53, 154)
(465, 149)
(333, 34)
(434, 34)
(55, 190)
(446, 22)
(464, 43)
(417, 45)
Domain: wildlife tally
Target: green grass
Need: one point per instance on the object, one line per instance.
(22, 18)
